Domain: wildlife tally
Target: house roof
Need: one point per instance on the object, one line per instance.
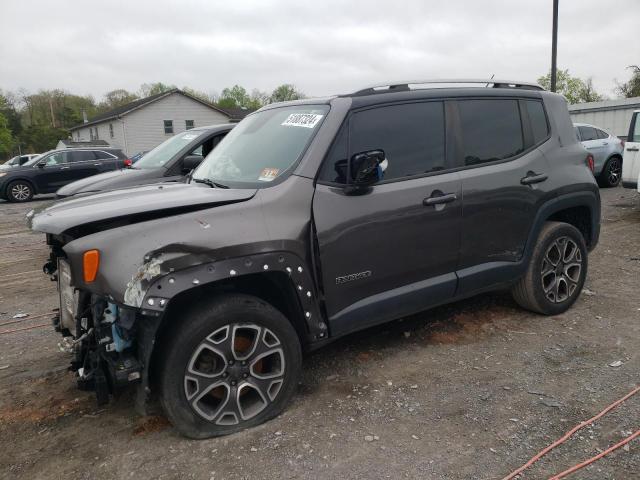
(93, 143)
(237, 114)
(125, 109)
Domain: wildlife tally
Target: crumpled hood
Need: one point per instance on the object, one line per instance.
(152, 201)
(127, 177)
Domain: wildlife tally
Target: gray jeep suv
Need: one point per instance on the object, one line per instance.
(313, 219)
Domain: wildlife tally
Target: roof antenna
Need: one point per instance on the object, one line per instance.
(490, 79)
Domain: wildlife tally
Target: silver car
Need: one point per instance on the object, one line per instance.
(606, 150)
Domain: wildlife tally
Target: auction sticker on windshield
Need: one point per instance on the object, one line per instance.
(306, 120)
(268, 174)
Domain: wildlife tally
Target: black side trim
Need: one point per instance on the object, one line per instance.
(633, 185)
(393, 304)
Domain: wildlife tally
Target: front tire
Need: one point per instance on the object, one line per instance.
(19, 191)
(228, 364)
(556, 272)
(611, 173)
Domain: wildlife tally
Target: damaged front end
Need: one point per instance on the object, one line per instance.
(109, 341)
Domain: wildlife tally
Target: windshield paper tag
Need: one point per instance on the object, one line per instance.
(268, 174)
(189, 136)
(307, 120)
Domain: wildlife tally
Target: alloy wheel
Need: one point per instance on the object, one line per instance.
(20, 191)
(561, 270)
(614, 171)
(235, 373)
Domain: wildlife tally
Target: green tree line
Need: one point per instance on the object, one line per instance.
(35, 122)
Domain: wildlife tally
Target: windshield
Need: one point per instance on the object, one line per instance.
(263, 147)
(159, 156)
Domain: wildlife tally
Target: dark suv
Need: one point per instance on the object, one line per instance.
(48, 172)
(313, 219)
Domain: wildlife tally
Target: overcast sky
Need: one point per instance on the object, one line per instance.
(323, 47)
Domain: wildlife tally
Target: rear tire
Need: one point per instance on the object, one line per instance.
(556, 272)
(19, 191)
(228, 364)
(611, 173)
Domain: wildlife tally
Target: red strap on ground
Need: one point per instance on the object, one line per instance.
(25, 328)
(566, 436)
(597, 457)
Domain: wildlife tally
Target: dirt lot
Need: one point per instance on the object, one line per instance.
(467, 391)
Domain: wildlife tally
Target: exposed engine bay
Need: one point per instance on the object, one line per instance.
(100, 335)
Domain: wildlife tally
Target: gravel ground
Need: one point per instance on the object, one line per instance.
(467, 391)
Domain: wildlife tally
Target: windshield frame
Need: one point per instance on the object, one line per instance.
(285, 173)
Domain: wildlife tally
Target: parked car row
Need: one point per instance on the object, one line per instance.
(48, 172)
(311, 220)
(18, 160)
(89, 170)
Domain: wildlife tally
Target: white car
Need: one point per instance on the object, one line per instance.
(631, 161)
(18, 160)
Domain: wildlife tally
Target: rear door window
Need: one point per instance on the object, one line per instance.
(587, 133)
(601, 133)
(491, 130)
(412, 136)
(81, 156)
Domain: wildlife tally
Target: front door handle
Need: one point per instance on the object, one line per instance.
(439, 199)
(532, 178)
(605, 143)
(64, 168)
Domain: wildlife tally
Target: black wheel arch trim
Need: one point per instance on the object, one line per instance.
(588, 199)
(160, 293)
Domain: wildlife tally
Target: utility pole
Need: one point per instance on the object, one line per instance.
(554, 46)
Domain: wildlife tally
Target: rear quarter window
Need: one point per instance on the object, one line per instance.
(100, 155)
(587, 133)
(538, 121)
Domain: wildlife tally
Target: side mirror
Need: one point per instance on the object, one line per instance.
(190, 162)
(42, 164)
(367, 168)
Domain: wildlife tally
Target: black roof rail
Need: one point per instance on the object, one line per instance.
(405, 85)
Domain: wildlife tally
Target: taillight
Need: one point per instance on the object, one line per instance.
(127, 162)
(622, 142)
(590, 163)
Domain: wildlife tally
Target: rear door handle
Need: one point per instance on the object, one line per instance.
(439, 199)
(532, 178)
(632, 149)
(64, 168)
(605, 143)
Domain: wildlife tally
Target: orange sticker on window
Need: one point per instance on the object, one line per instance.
(268, 174)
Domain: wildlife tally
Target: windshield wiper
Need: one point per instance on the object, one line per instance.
(208, 181)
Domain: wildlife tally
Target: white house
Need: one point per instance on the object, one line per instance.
(141, 125)
(612, 115)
